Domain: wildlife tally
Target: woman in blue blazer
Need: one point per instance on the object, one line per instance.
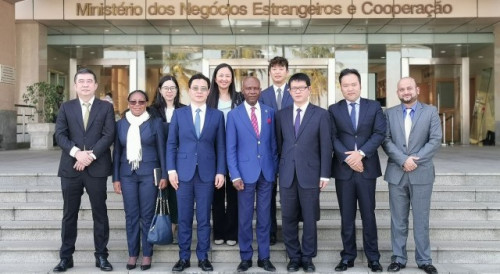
(139, 149)
(167, 98)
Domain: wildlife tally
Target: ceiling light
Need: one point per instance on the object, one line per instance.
(459, 45)
(382, 57)
(242, 30)
(78, 47)
(177, 30)
(92, 52)
(106, 30)
(443, 51)
(480, 57)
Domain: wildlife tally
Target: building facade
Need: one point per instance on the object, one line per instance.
(451, 47)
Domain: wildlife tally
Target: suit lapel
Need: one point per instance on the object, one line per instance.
(272, 96)
(286, 96)
(400, 120)
(416, 116)
(363, 109)
(189, 115)
(309, 113)
(208, 118)
(76, 111)
(243, 117)
(346, 116)
(264, 115)
(94, 109)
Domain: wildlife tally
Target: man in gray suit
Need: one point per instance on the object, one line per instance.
(412, 139)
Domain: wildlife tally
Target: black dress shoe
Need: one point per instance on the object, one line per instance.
(103, 263)
(145, 266)
(375, 266)
(131, 266)
(395, 267)
(63, 265)
(272, 240)
(181, 265)
(293, 266)
(205, 265)
(244, 266)
(266, 265)
(343, 265)
(428, 268)
(308, 266)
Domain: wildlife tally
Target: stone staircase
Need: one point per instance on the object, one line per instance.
(465, 225)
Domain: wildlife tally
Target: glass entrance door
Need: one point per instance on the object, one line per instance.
(319, 70)
(442, 83)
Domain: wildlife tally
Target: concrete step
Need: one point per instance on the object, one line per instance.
(480, 252)
(329, 211)
(220, 268)
(43, 194)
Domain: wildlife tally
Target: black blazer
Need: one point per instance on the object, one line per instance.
(98, 137)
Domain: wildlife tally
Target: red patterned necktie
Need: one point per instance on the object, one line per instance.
(254, 121)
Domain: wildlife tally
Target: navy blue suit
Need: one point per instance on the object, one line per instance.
(303, 161)
(196, 161)
(268, 97)
(254, 159)
(138, 188)
(351, 186)
(98, 137)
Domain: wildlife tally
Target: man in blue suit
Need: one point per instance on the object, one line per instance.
(276, 96)
(358, 129)
(196, 160)
(252, 159)
(305, 147)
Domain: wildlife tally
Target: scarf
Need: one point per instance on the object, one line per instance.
(134, 148)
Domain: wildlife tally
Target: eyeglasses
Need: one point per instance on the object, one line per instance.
(202, 89)
(140, 103)
(295, 89)
(172, 88)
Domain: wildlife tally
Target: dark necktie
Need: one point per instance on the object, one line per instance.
(297, 122)
(353, 115)
(254, 122)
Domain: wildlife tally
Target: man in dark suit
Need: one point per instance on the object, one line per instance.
(412, 139)
(358, 128)
(252, 159)
(196, 160)
(276, 96)
(305, 148)
(85, 130)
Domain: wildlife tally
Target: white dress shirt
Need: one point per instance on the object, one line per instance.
(203, 111)
(169, 112)
(257, 113)
(276, 91)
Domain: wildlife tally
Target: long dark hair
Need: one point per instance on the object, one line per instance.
(158, 101)
(213, 96)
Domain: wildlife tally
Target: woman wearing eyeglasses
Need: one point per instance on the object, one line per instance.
(167, 98)
(139, 149)
(223, 96)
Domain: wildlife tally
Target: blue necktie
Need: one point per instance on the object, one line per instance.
(197, 123)
(297, 122)
(353, 115)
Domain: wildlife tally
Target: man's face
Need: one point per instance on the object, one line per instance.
(300, 92)
(198, 91)
(278, 74)
(350, 87)
(251, 90)
(407, 91)
(85, 85)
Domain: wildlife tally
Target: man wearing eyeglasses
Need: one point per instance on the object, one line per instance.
(358, 129)
(305, 148)
(85, 130)
(196, 160)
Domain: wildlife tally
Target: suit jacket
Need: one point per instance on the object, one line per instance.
(268, 97)
(310, 153)
(248, 155)
(98, 137)
(424, 141)
(153, 144)
(185, 152)
(368, 136)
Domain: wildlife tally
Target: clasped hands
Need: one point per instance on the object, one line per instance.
(83, 159)
(410, 164)
(354, 160)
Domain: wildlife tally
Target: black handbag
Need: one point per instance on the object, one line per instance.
(160, 232)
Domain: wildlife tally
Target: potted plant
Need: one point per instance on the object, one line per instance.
(46, 99)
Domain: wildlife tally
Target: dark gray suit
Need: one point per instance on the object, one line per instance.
(413, 187)
(303, 161)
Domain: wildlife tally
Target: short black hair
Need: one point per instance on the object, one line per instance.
(278, 60)
(199, 76)
(138, 91)
(347, 71)
(300, 77)
(85, 71)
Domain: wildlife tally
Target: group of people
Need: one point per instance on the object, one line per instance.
(223, 156)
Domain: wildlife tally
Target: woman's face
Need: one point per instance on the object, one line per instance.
(223, 78)
(168, 90)
(137, 103)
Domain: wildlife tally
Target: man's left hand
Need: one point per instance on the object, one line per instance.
(219, 180)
